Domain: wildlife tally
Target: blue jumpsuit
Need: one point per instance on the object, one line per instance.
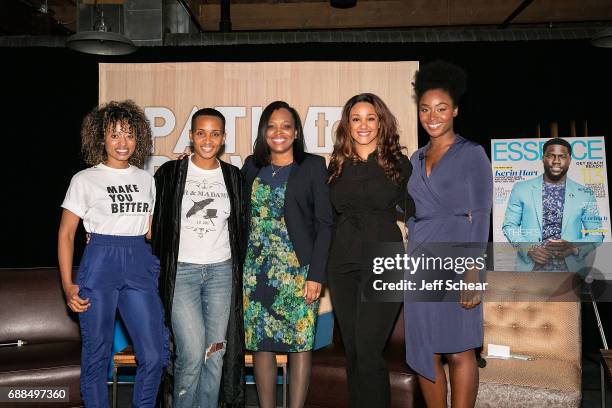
(118, 272)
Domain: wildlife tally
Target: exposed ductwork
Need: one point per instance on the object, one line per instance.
(180, 18)
(437, 35)
(411, 36)
(143, 21)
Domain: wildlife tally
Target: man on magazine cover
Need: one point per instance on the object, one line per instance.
(552, 220)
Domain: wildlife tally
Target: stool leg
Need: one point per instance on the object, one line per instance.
(602, 376)
(285, 386)
(114, 386)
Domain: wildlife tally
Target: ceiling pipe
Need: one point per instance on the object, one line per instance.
(515, 13)
(44, 10)
(225, 22)
(194, 19)
(343, 4)
(603, 38)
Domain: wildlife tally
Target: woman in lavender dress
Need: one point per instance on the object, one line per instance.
(452, 186)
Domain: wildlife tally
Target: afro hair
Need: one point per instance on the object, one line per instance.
(440, 75)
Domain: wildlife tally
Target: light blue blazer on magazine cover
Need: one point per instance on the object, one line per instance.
(523, 221)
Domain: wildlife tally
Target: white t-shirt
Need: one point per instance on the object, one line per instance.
(205, 210)
(112, 201)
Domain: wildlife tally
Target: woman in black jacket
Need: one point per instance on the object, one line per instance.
(198, 236)
(290, 220)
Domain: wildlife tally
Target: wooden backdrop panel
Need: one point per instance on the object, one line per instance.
(170, 92)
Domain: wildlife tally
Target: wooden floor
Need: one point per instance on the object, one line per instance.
(590, 387)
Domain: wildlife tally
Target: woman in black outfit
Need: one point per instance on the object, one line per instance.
(368, 176)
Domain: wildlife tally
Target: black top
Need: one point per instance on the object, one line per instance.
(308, 212)
(365, 206)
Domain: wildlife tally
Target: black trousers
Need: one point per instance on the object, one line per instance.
(365, 328)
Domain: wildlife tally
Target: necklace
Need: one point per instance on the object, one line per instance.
(274, 171)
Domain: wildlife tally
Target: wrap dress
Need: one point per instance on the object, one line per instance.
(453, 205)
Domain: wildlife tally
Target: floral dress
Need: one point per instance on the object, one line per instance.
(276, 316)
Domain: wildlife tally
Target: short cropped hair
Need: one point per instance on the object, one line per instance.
(208, 112)
(557, 141)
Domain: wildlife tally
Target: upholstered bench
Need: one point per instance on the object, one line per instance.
(32, 308)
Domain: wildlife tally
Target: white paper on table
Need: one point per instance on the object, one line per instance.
(497, 351)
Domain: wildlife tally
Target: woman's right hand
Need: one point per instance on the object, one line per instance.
(74, 301)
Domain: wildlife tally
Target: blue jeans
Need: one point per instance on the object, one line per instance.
(200, 313)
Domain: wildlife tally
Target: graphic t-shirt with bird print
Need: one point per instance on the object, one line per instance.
(204, 214)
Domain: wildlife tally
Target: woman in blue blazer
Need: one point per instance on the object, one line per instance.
(289, 219)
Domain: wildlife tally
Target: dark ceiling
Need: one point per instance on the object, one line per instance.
(58, 17)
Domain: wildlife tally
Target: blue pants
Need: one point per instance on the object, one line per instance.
(200, 313)
(121, 273)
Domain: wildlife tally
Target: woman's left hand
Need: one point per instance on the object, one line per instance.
(471, 298)
(312, 291)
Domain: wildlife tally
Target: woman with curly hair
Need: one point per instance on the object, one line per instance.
(114, 198)
(453, 190)
(367, 176)
(290, 221)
